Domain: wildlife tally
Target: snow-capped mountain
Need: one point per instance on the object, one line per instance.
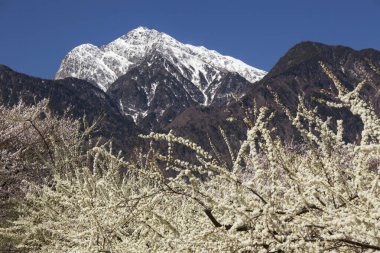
(103, 65)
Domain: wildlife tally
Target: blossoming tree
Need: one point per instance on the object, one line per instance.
(322, 195)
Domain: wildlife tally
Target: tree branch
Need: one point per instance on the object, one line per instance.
(43, 139)
(218, 225)
(360, 244)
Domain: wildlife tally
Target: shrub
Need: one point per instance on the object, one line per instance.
(32, 143)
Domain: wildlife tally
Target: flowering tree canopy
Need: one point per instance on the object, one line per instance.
(322, 195)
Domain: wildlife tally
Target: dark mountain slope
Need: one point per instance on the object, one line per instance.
(297, 73)
(160, 98)
(79, 98)
(155, 92)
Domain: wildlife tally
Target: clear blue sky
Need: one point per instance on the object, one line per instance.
(35, 35)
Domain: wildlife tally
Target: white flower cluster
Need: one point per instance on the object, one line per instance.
(322, 196)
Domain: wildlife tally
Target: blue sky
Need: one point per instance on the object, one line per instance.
(37, 34)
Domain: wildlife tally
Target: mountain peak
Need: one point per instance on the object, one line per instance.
(142, 34)
(309, 52)
(103, 65)
(143, 30)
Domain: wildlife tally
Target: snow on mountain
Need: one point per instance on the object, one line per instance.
(102, 66)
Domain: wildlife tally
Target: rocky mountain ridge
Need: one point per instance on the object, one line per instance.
(154, 92)
(156, 96)
(103, 65)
